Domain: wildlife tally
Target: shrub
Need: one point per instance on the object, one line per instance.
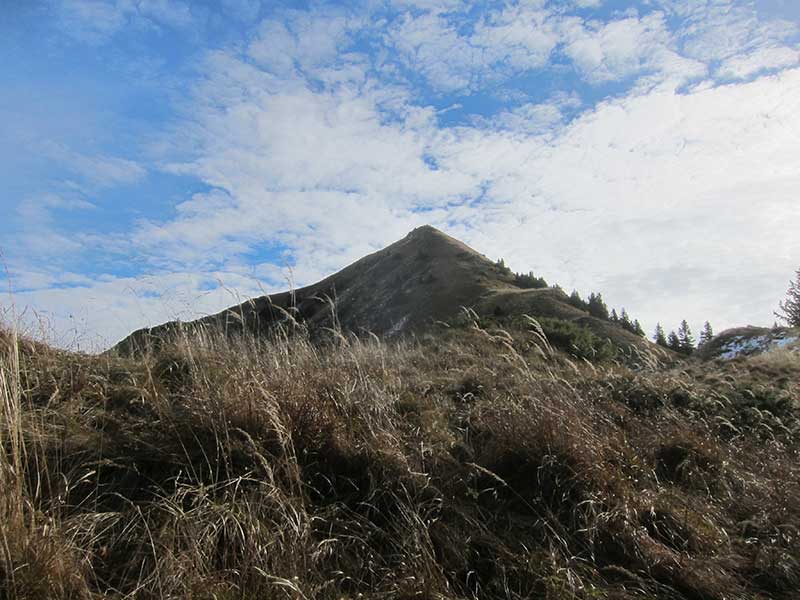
(577, 340)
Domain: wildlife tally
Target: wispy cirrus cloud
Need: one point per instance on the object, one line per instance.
(96, 21)
(744, 66)
(39, 234)
(735, 38)
(96, 170)
(627, 47)
(501, 43)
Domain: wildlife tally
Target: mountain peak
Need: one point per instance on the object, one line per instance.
(424, 231)
(425, 277)
(427, 238)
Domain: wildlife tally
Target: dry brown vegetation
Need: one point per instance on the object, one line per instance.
(468, 463)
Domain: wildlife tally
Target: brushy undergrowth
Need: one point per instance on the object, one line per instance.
(467, 463)
(576, 340)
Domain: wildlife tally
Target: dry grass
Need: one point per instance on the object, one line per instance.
(464, 464)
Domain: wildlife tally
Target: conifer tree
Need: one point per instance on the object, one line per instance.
(625, 320)
(578, 302)
(673, 342)
(501, 265)
(614, 318)
(685, 338)
(659, 337)
(529, 280)
(637, 328)
(789, 308)
(597, 308)
(706, 334)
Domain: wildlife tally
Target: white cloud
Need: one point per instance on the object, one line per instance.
(39, 236)
(430, 46)
(93, 21)
(650, 185)
(98, 170)
(534, 118)
(530, 118)
(515, 39)
(172, 13)
(96, 21)
(761, 59)
(714, 30)
(299, 40)
(522, 37)
(38, 208)
(457, 56)
(95, 314)
(614, 50)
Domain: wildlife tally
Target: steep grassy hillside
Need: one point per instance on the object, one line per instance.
(426, 277)
(471, 462)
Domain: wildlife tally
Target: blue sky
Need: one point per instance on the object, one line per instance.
(165, 159)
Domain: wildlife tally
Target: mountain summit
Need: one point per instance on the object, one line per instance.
(425, 277)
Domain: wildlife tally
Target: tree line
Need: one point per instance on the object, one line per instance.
(594, 305)
(681, 340)
(523, 280)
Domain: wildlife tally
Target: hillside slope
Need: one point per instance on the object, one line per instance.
(468, 463)
(426, 277)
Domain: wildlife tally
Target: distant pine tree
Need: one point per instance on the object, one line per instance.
(706, 334)
(637, 328)
(685, 338)
(598, 308)
(529, 281)
(673, 342)
(625, 320)
(789, 309)
(614, 318)
(578, 302)
(659, 337)
(501, 265)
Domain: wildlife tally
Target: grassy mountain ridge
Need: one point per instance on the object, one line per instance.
(426, 277)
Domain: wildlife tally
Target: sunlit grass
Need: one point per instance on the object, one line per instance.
(471, 462)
